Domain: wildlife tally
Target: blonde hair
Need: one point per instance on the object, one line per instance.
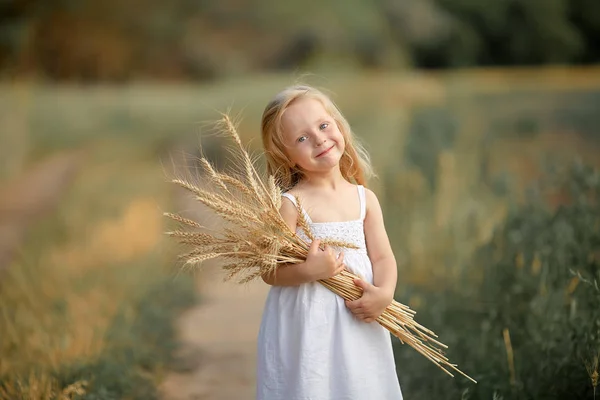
(355, 164)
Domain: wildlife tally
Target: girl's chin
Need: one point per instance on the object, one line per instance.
(327, 163)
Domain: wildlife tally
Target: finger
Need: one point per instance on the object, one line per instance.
(364, 285)
(351, 303)
(369, 319)
(338, 268)
(340, 260)
(336, 271)
(360, 302)
(354, 306)
(314, 246)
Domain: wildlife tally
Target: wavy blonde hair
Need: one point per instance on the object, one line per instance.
(355, 164)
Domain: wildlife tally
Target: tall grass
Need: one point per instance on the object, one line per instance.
(90, 299)
(526, 316)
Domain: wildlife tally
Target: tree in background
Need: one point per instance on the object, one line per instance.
(488, 33)
(111, 40)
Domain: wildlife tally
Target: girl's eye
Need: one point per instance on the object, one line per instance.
(323, 126)
(302, 139)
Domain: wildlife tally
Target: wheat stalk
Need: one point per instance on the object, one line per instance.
(510, 356)
(592, 370)
(74, 389)
(255, 240)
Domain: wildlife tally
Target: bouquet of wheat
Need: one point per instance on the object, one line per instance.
(254, 239)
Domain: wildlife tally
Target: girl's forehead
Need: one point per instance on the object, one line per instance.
(305, 109)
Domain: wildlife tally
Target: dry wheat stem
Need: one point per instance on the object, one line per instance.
(234, 182)
(213, 174)
(592, 370)
(388, 321)
(182, 220)
(255, 240)
(252, 175)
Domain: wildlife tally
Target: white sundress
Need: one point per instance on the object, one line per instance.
(311, 347)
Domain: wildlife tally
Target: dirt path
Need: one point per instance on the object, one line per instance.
(220, 337)
(219, 334)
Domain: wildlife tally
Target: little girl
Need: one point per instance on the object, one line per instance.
(312, 344)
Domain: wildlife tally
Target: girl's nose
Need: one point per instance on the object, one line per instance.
(319, 141)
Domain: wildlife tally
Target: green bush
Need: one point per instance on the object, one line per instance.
(432, 130)
(538, 279)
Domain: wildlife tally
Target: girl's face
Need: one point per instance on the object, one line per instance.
(311, 136)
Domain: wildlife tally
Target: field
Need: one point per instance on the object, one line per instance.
(92, 288)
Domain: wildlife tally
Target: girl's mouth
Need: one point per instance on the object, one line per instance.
(324, 152)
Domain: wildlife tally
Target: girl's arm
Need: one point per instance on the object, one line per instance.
(385, 272)
(287, 275)
(320, 264)
(376, 297)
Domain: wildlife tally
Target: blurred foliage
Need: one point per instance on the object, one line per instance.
(134, 351)
(460, 33)
(452, 150)
(539, 279)
(432, 130)
(114, 41)
(127, 367)
(88, 303)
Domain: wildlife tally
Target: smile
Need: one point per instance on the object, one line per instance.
(325, 152)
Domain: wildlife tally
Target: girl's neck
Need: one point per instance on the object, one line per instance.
(330, 180)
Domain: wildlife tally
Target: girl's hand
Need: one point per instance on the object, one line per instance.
(322, 264)
(372, 303)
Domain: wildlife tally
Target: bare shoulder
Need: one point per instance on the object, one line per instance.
(370, 194)
(287, 206)
(299, 194)
(372, 202)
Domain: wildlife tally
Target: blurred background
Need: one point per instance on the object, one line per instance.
(482, 118)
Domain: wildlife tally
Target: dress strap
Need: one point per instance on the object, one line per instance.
(363, 202)
(293, 200)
